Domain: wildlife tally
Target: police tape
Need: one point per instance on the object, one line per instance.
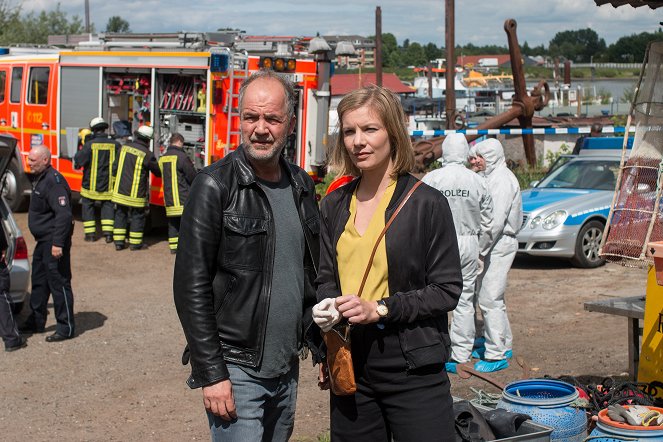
(526, 131)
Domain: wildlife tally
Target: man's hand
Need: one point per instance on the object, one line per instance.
(357, 310)
(56, 252)
(218, 399)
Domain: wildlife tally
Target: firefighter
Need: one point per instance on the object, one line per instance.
(132, 188)
(97, 157)
(178, 173)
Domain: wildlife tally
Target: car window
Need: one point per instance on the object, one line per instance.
(38, 81)
(583, 174)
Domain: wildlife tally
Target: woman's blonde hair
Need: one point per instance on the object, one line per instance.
(387, 107)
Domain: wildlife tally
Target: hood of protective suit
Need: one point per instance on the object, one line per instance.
(472, 152)
(455, 149)
(491, 150)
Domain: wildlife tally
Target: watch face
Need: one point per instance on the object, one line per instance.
(382, 309)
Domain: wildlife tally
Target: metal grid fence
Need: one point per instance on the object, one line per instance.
(635, 216)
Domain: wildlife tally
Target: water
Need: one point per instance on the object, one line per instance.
(615, 87)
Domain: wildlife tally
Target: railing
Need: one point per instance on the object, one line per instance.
(516, 131)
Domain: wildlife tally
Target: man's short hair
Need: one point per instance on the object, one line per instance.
(596, 128)
(288, 88)
(176, 138)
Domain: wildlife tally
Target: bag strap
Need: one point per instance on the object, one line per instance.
(386, 226)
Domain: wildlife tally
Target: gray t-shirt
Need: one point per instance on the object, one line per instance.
(284, 317)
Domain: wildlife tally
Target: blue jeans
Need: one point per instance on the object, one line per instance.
(265, 408)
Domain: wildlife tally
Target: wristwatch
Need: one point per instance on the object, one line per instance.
(382, 310)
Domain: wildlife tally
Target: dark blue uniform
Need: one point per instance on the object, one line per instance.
(51, 223)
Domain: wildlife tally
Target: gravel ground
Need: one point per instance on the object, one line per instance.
(121, 378)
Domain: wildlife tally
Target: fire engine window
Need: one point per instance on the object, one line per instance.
(17, 81)
(38, 91)
(3, 82)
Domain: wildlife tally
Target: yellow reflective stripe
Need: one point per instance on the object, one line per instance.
(120, 166)
(176, 208)
(93, 172)
(136, 180)
(174, 211)
(96, 148)
(93, 195)
(89, 223)
(107, 222)
(173, 240)
(128, 201)
(135, 234)
(28, 131)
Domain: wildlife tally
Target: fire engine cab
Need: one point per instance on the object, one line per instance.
(185, 83)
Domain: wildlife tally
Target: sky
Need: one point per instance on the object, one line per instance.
(479, 22)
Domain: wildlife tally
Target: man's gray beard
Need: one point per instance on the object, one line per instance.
(274, 153)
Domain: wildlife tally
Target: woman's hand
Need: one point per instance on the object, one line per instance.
(357, 310)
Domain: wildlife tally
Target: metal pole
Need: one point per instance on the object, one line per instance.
(87, 16)
(450, 93)
(378, 46)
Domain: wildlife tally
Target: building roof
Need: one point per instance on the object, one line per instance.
(634, 3)
(482, 60)
(341, 84)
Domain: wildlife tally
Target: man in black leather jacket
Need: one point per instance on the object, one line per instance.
(246, 262)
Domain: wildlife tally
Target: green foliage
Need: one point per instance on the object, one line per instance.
(321, 187)
(618, 120)
(580, 45)
(632, 48)
(33, 28)
(526, 174)
(117, 24)
(606, 72)
(551, 156)
(628, 95)
(605, 95)
(414, 55)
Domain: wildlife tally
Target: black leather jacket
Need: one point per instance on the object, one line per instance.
(223, 271)
(425, 280)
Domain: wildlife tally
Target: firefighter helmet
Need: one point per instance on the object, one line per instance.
(83, 134)
(146, 132)
(98, 123)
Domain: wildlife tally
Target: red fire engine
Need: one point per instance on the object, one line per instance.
(187, 84)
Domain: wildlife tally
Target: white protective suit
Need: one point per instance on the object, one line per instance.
(471, 207)
(507, 220)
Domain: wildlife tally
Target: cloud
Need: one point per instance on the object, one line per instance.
(477, 21)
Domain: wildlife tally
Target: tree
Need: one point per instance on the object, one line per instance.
(414, 55)
(117, 24)
(631, 49)
(580, 45)
(432, 52)
(35, 29)
(390, 50)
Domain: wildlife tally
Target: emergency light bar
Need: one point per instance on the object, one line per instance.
(278, 64)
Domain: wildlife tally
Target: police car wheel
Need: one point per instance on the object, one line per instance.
(13, 188)
(588, 244)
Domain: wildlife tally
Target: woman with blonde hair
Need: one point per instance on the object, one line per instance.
(399, 328)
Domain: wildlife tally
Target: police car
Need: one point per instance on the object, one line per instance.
(17, 250)
(565, 213)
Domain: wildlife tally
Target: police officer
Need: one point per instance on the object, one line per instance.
(51, 223)
(178, 173)
(132, 188)
(96, 158)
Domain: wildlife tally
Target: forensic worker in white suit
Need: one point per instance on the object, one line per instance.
(507, 220)
(472, 209)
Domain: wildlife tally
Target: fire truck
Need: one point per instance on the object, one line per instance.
(185, 83)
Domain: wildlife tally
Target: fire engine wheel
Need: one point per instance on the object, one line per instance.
(14, 187)
(587, 246)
